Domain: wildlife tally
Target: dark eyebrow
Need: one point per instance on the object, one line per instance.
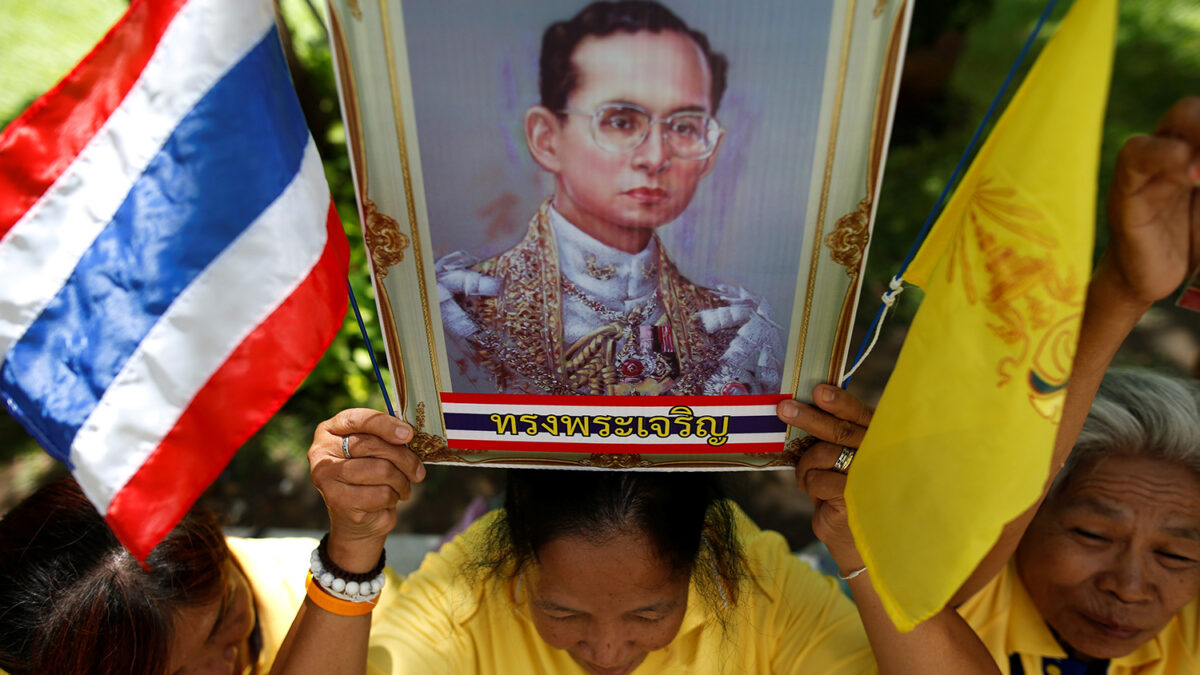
(690, 108)
(554, 607)
(1109, 511)
(686, 108)
(657, 607)
(1184, 533)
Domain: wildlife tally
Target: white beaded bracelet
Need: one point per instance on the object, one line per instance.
(351, 591)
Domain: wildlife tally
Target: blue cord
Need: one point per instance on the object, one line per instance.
(370, 351)
(962, 162)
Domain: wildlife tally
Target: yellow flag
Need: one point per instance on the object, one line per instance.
(962, 439)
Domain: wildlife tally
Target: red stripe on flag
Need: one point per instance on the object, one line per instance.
(236, 401)
(39, 145)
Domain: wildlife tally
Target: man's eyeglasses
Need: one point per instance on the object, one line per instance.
(622, 127)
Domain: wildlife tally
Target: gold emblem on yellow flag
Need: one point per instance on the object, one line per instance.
(1034, 301)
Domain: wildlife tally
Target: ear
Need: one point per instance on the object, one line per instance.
(711, 160)
(542, 129)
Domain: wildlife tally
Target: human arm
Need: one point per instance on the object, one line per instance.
(360, 495)
(942, 643)
(1154, 227)
(1154, 215)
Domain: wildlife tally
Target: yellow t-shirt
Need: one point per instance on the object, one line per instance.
(790, 619)
(1004, 616)
(277, 568)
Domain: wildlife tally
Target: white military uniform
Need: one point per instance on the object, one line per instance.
(561, 312)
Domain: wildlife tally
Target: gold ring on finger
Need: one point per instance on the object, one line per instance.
(842, 465)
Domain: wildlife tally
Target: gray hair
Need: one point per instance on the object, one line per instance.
(1139, 412)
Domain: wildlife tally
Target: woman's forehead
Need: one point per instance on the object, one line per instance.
(624, 569)
(1126, 486)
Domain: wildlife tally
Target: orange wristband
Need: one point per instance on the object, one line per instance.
(336, 605)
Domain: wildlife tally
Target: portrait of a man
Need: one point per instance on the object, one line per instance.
(589, 300)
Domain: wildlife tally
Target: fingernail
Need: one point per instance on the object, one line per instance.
(420, 472)
(789, 408)
(827, 394)
(403, 432)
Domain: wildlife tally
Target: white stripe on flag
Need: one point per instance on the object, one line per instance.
(198, 332)
(44, 246)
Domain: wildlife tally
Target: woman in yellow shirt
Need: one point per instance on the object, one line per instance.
(612, 573)
(606, 573)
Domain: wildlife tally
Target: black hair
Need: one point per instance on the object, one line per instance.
(557, 75)
(73, 600)
(683, 515)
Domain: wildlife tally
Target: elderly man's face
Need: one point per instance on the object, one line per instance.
(620, 197)
(1115, 554)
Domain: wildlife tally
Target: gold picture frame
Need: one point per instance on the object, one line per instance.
(434, 96)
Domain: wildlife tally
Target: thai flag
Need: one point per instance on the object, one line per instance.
(171, 265)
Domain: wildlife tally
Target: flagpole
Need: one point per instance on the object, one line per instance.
(362, 328)
(889, 297)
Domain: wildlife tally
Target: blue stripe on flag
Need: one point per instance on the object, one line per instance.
(750, 424)
(226, 162)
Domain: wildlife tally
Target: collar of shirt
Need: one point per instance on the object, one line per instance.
(609, 275)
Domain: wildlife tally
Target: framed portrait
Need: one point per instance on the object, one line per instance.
(615, 234)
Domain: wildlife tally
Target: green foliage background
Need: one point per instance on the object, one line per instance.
(959, 52)
(1157, 62)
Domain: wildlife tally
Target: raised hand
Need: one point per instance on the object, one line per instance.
(1154, 207)
(839, 420)
(362, 478)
